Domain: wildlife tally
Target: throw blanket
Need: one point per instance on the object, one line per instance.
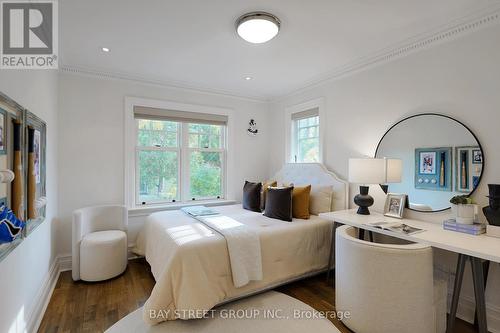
(243, 245)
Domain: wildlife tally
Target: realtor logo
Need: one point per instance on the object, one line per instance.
(29, 34)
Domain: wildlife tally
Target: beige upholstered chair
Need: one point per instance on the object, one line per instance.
(387, 288)
(99, 242)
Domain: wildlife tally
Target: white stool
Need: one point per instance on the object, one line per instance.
(99, 243)
(103, 255)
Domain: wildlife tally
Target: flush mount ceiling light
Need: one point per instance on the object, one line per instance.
(105, 49)
(258, 27)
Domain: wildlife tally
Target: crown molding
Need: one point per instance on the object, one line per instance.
(157, 82)
(451, 31)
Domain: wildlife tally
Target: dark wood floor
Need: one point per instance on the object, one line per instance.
(94, 307)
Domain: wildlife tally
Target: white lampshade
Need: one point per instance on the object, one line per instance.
(394, 169)
(367, 170)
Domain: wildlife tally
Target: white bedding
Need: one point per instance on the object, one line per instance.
(191, 265)
(243, 246)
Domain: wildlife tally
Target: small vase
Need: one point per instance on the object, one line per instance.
(465, 214)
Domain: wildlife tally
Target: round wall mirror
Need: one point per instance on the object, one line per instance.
(441, 158)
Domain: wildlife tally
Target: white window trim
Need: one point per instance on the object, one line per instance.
(130, 137)
(318, 103)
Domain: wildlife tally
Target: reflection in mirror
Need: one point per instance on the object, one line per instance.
(441, 158)
(35, 183)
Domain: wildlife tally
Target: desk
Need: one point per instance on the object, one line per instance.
(470, 247)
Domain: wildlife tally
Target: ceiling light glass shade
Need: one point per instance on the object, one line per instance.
(258, 27)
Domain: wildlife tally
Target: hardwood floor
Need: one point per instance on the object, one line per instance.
(94, 307)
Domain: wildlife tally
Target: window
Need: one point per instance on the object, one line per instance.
(206, 155)
(157, 161)
(180, 156)
(306, 137)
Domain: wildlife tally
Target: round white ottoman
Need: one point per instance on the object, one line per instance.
(103, 255)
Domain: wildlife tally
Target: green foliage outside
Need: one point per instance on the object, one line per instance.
(308, 141)
(158, 169)
(158, 175)
(206, 173)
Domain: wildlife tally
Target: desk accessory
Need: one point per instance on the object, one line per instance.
(492, 212)
(464, 209)
(471, 229)
(394, 205)
(367, 171)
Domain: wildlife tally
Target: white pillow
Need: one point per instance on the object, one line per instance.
(320, 199)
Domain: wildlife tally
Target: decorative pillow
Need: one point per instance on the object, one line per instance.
(265, 186)
(300, 202)
(251, 196)
(279, 203)
(321, 199)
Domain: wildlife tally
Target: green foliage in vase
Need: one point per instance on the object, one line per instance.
(461, 200)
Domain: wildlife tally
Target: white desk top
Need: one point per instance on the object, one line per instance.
(481, 246)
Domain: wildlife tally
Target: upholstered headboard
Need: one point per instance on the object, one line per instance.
(316, 174)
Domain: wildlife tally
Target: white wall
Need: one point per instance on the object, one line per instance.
(91, 148)
(25, 270)
(460, 78)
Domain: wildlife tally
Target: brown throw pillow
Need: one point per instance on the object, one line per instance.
(265, 186)
(300, 202)
(279, 203)
(251, 196)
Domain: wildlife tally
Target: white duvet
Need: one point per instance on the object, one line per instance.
(191, 265)
(243, 247)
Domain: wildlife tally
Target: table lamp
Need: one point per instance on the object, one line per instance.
(394, 171)
(366, 171)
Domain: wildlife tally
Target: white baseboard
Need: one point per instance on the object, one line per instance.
(42, 299)
(60, 264)
(64, 262)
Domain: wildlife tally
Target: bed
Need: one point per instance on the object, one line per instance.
(190, 261)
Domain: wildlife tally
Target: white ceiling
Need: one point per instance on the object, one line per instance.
(193, 43)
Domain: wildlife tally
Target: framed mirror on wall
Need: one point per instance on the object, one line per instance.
(11, 174)
(35, 152)
(441, 158)
(22, 173)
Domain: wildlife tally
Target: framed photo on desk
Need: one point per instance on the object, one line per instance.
(394, 205)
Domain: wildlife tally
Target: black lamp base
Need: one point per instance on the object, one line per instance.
(363, 200)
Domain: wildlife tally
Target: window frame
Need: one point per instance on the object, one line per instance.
(186, 157)
(138, 149)
(130, 142)
(295, 150)
(291, 131)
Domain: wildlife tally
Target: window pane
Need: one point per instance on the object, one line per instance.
(206, 174)
(215, 141)
(303, 133)
(303, 122)
(308, 150)
(156, 133)
(204, 141)
(193, 140)
(205, 136)
(313, 132)
(157, 175)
